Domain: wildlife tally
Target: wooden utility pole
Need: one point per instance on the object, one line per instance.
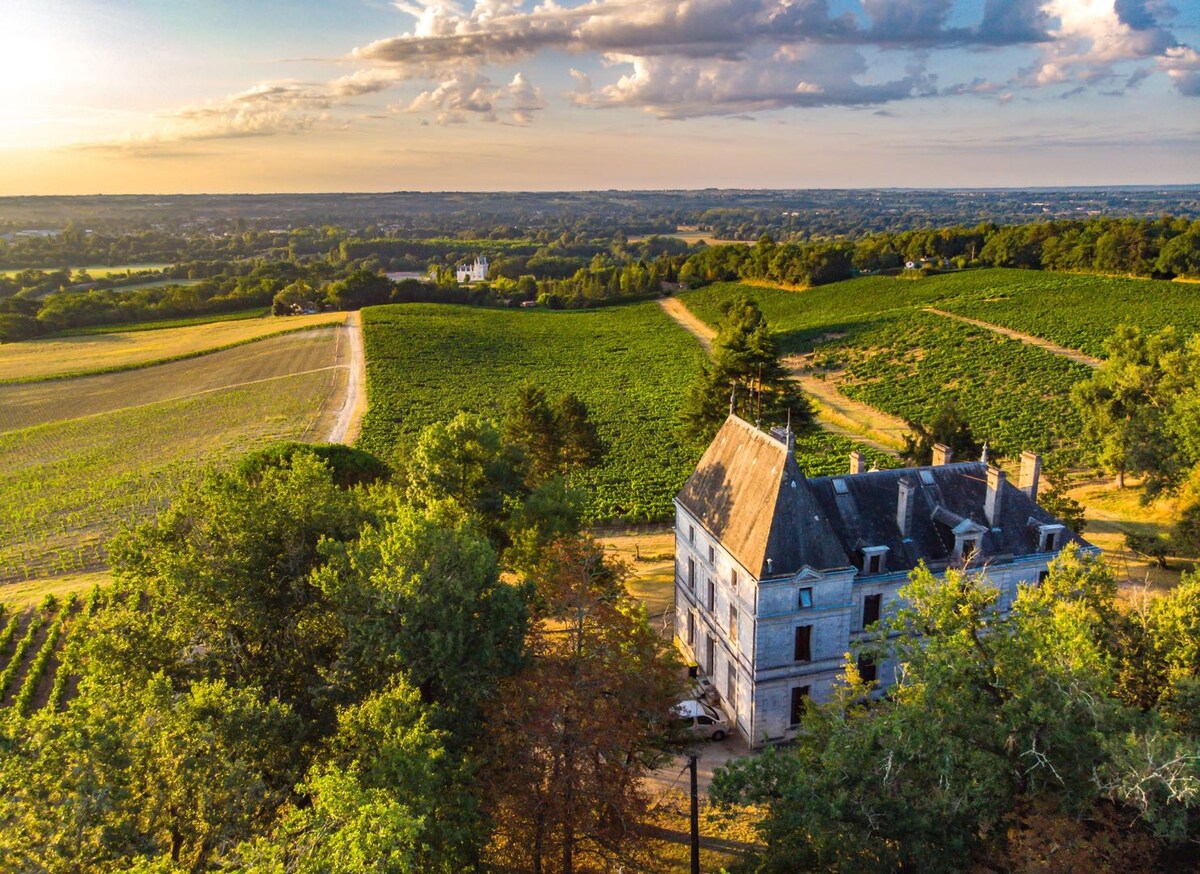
(695, 817)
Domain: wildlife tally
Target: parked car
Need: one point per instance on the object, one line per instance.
(700, 720)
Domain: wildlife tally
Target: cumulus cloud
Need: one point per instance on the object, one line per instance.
(1090, 38)
(687, 58)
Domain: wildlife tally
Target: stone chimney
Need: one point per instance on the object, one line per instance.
(905, 499)
(993, 500)
(1031, 472)
(941, 454)
(858, 464)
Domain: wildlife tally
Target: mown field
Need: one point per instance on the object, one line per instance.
(26, 404)
(121, 349)
(80, 457)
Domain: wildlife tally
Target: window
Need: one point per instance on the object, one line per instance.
(712, 555)
(691, 628)
(731, 688)
(692, 573)
(1051, 537)
(871, 605)
(805, 600)
(1042, 576)
(968, 549)
(799, 696)
(733, 623)
(803, 643)
(712, 595)
(710, 654)
(867, 670)
(733, 579)
(874, 563)
(691, 534)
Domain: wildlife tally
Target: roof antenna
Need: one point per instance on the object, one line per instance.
(984, 455)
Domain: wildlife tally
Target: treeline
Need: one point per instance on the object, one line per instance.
(1161, 248)
(23, 318)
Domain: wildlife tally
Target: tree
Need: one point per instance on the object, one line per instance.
(554, 439)
(582, 721)
(361, 288)
(991, 712)
(745, 364)
(1125, 405)
(948, 427)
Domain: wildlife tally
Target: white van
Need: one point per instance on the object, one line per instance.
(700, 720)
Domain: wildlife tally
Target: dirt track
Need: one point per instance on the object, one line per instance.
(1073, 354)
(835, 412)
(349, 418)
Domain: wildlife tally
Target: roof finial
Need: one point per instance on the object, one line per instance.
(984, 455)
(732, 393)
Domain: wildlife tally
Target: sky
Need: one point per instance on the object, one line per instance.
(189, 96)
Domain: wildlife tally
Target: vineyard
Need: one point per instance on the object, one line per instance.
(873, 339)
(75, 465)
(35, 651)
(1079, 312)
(629, 364)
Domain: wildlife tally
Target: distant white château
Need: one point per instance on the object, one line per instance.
(474, 272)
(778, 574)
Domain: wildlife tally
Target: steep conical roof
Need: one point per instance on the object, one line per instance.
(749, 493)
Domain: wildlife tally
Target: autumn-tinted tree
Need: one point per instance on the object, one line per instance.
(580, 724)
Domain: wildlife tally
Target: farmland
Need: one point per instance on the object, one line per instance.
(80, 457)
(24, 405)
(95, 271)
(43, 359)
(873, 339)
(1074, 311)
(629, 364)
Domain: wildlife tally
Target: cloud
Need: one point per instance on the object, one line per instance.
(468, 95)
(1092, 37)
(686, 58)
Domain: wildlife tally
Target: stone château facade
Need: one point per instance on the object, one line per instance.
(476, 271)
(777, 574)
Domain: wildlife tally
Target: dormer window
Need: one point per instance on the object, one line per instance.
(874, 559)
(1051, 538)
(968, 548)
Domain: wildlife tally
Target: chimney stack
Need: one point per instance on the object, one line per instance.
(941, 454)
(904, 506)
(991, 503)
(858, 463)
(1031, 472)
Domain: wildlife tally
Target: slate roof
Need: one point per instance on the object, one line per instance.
(749, 492)
(943, 497)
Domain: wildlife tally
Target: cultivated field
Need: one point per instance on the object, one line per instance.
(24, 405)
(42, 359)
(79, 457)
(95, 271)
(630, 364)
(872, 339)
